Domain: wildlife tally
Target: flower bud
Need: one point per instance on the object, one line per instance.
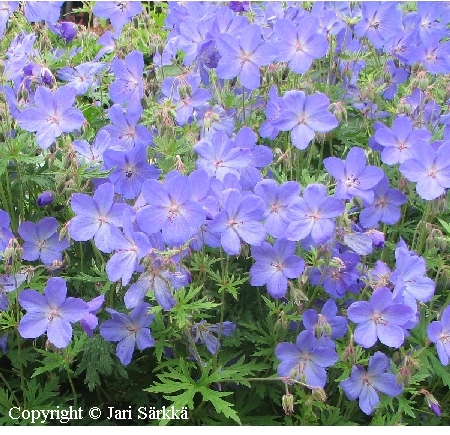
(319, 394)
(45, 198)
(287, 402)
(431, 402)
(404, 375)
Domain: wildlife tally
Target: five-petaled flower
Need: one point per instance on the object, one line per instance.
(51, 312)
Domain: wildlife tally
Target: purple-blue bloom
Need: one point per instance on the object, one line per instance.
(171, 209)
(408, 278)
(119, 13)
(380, 318)
(5, 232)
(52, 116)
(45, 198)
(365, 384)
(439, 333)
(48, 11)
(303, 116)
(219, 156)
(129, 330)
(274, 265)
(397, 142)
(314, 215)
(51, 312)
(7, 8)
(278, 200)
(131, 170)
(42, 241)
(242, 58)
(380, 20)
(305, 361)
(130, 247)
(385, 206)
(239, 220)
(203, 333)
(299, 44)
(327, 325)
(64, 29)
(82, 77)
(429, 169)
(90, 321)
(95, 216)
(9, 283)
(128, 86)
(125, 133)
(353, 177)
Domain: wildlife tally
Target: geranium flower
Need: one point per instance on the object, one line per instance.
(439, 333)
(429, 169)
(171, 209)
(299, 44)
(303, 116)
(304, 360)
(314, 215)
(365, 385)
(239, 219)
(131, 170)
(50, 312)
(353, 177)
(95, 216)
(243, 57)
(52, 116)
(380, 318)
(42, 241)
(274, 265)
(129, 330)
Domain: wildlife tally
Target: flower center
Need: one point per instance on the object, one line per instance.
(376, 317)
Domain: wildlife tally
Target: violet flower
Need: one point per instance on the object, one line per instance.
(129, 330)
(365, 385)
(380, 318)
(303, 116)
(42, 241)
(52, 116)
(305, 361)
(50, 312)
(274, 265)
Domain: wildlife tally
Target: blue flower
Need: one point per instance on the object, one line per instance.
(274, 265)
(171, 209)
(239, 220)
(439, 333)
(242, 58)
(314, 215)
(42, 241)
(380, 318)
(52, 116)
(96, 216)
(129, 330)
(51, 312)
(365, 385)
(303, 116)
(305, 361)
(353, 177)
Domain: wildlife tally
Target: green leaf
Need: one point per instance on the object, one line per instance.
(220, 405)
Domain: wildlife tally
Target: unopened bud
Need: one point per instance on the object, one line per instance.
(349, 354)
(404, 376)
(287, 402)
(45, 198)
(431, 402)
(319, 394)
(297, 296)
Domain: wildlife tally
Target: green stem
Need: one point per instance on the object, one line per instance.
(72, 386)
(421, 238)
